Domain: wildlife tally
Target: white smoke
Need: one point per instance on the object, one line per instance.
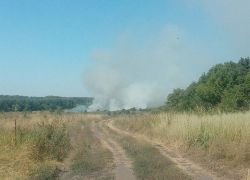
(136, 73)
(126, 77)
(232, 19)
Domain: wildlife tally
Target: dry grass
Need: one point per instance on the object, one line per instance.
(222, 136)
(42, 142)
(147, 162)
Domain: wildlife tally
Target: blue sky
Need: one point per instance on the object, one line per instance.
(46, 47)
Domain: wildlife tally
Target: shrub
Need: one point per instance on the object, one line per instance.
(51, 140)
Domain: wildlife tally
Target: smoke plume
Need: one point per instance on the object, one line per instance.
(232, 18)
(141, 73)
(125, 76)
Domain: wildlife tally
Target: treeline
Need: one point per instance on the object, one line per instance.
(25, 103)
(225, 87)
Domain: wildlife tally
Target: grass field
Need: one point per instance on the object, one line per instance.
(219, 137)
(42, 142)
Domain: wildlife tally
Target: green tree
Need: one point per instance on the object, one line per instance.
(59, 110)
(226, 86)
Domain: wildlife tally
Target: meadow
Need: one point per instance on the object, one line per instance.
(221, 140)
(42, 142)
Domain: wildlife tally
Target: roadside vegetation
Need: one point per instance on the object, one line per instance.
(42, 142)
(222, 138)
(38, 148)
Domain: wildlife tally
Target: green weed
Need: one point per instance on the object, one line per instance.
(44, 172)
(51, 140)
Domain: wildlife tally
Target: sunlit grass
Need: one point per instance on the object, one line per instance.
(43, 140)
(221, 136)
(40, 144)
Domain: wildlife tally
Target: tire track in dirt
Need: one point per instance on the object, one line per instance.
(122, 169)
(194, 170)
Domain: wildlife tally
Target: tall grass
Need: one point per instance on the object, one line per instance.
(221, 136)
(41, 142)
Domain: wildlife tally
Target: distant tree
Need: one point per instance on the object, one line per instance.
(16, 107)
(226, 86)
(175, 99)
(59, 110)
(133, 109)
(19, 103)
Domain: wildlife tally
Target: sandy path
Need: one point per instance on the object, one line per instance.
(190, 168)
(123, 166)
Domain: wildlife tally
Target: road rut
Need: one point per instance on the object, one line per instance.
(122, 169)
(197, 172)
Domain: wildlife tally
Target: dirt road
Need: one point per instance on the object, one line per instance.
(195, 171)
(123, 166)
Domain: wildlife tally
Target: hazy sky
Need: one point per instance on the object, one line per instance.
(61, 47)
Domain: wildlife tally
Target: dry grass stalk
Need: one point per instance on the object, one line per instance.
(223, 137)
(21, 161)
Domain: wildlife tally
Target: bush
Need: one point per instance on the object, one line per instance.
(51, 140)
